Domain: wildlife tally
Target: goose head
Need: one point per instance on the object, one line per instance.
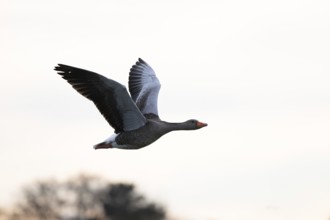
(194, 124)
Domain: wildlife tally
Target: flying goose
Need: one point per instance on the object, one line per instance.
(134, 118)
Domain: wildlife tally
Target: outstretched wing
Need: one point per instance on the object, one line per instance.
(144, 87)
(110, 97)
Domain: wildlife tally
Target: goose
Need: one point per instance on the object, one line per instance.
(134, 117)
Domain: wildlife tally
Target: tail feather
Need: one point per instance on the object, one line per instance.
(102, 145)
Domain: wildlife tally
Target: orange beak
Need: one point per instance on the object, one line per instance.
(201, 124)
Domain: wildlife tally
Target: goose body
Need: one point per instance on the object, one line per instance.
(134, 117)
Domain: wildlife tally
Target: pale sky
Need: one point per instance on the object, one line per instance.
(257, 72)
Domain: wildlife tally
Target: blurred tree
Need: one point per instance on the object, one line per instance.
(85, 193)
(121, 202)
(84, 198)
(40, 201)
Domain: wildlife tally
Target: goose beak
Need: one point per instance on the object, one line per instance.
(201, 124)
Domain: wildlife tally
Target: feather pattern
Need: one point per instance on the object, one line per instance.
(144, 88)
(110, 97)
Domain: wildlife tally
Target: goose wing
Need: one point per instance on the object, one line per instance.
(110, 97)
(144, 87)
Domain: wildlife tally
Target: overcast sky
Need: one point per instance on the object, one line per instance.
(256, 71)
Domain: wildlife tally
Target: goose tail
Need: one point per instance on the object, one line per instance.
(102, 145)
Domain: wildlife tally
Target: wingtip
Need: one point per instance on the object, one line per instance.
(56, 68)
(59, 65)
(62, 68)
(140, 60)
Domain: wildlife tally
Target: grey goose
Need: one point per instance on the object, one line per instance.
(134, 117)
